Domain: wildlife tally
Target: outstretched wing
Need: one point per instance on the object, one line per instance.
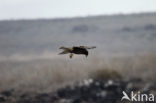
(88, 47)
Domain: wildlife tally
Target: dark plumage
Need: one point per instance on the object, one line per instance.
(79, 50)
(76, 50)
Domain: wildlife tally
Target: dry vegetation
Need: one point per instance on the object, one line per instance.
(50, 74)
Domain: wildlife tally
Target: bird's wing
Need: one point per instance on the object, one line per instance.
(88, 47)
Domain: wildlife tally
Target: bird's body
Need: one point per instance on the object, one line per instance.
(76, 50)
(79, 50)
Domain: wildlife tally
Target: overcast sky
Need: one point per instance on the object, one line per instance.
(21, 9)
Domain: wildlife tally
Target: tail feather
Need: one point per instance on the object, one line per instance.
(64, 52)
(62, 47)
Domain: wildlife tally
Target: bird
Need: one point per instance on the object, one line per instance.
(82, 50)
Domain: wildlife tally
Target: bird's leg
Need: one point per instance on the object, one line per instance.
(71, 55)
(86, 56)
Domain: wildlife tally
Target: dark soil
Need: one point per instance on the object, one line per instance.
(87, 91)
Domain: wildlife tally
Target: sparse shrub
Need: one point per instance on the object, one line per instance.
(150, 27)
(105, 74)
(80, 28)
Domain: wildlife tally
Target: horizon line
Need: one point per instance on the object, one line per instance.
(79, 16)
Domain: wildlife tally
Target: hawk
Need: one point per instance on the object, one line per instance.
(76, 50)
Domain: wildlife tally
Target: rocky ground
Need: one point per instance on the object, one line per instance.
(86, 91)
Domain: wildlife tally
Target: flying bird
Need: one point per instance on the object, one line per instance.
(76, 50)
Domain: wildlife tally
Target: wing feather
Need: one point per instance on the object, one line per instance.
(88, 47)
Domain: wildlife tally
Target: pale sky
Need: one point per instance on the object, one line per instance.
(31, 9)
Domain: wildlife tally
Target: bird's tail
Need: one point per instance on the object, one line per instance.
(65, 50)
(62, 47)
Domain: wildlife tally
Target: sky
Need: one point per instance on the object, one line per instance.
(32, 9)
